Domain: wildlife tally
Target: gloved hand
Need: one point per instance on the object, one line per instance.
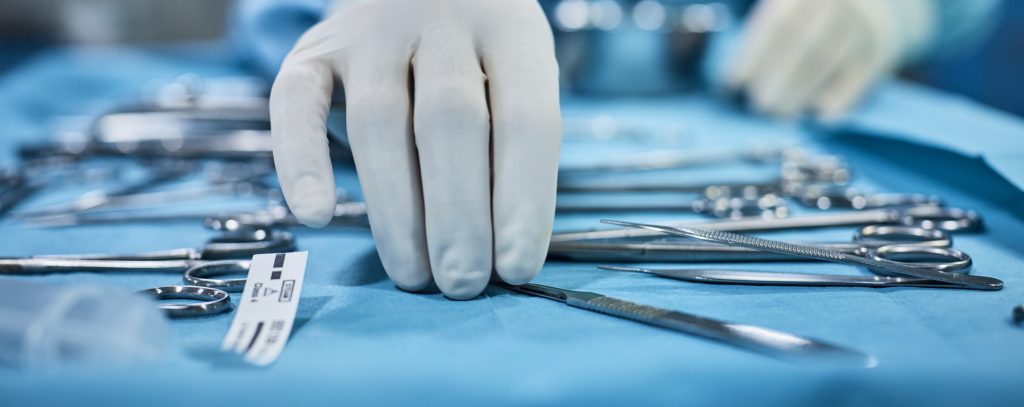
(454, 123)
(822, 56)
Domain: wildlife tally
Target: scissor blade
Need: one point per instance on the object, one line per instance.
(716, 276)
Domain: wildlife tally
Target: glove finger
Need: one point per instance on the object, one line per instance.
(851, 83)
(794, 39)
(833, 55)
(380, 134)
(299, 101)
(523, 89)
(801, 70)
(766, 27)
(452, 132)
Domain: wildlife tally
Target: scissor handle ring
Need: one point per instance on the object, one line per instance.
(200, 275)
(901, 234)
(947, 219)
(214, 301)
(247, 242)
(959, 262)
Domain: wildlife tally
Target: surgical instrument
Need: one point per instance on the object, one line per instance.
(815, 195)
(346, 214)
(718, 276)
(162, 174)
(198, 266)
(869, 241)
(824, 196)
(733, 208)
(213, 301)
(237, 244)
(711, 190)
(747, 336)
(123, 205)
(674, 159)
(928, 217)
(202, 274)
(876, 262)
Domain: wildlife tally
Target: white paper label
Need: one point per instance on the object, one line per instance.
(266, 311)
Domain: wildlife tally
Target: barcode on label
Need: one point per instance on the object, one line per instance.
(262, 325)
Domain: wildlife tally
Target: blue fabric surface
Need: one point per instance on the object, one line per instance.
(361, 341)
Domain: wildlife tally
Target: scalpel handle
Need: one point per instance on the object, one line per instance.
(741, 335)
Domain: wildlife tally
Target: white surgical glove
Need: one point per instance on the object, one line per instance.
(454, 123)
(822, 56)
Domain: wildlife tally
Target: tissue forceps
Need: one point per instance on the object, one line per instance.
(927, 217)
(746, 336)
(875, 263)
(917, 244)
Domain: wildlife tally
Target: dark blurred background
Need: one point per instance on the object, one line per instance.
(28, 26)
(990, 73)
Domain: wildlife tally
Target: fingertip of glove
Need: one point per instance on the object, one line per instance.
(518, 263)
(412, 283)
(463, 285)
(312, 217)
(311, 203)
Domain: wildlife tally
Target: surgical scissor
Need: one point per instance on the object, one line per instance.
(747, 277)
(746, 336)
(877, 262)
(927, 217)
(918, 245)
(222, 254)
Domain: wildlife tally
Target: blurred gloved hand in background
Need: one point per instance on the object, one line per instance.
(454, 123)
(821, 57)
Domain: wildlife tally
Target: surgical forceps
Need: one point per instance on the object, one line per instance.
(869, 241)
(927, 217)
(876, 262)
(746, 336)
